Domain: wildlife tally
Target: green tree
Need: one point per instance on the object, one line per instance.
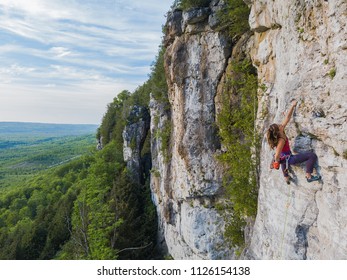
(235, 17)
(188, 4)
(241, 145)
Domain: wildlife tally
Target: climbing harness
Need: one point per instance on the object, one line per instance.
(286, 159)
(283, 158)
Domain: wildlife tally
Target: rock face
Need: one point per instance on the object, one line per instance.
(300, 51)
(186, 183)
(299, 48)
(134, 136)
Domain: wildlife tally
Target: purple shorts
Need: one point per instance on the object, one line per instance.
(309, 157)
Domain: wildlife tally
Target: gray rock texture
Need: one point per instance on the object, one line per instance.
(299, 48)
(134, 136)
(186, 184)
(300, 51)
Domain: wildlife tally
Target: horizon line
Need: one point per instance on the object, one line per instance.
(52, 123)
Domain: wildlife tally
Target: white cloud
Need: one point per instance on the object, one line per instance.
(60, 51)
(82, 51)
(14, 73)
(36, 8)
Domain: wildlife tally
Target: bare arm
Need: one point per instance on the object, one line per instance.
(289, 115)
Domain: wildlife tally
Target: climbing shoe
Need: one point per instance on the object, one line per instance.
(313, 178)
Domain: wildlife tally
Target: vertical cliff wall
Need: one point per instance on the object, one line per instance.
(300, 51)
(186, 177)
(134, 136)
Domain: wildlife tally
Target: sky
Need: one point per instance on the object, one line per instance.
(63, 61)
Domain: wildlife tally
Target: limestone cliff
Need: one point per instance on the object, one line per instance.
(134, 136)
(186, 182)
(299, 50)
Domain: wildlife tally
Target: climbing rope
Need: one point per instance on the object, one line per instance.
(285, 222)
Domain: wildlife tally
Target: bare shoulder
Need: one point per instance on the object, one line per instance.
(282, 133)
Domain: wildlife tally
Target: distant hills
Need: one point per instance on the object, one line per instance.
(45, 129)
(28, 148)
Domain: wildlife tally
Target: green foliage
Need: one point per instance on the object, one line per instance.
(332, 73)
(157, 79)
(235, 230)
(240, 141)
(111, 213)
(113, 121)
(164, 135)
(235, 17)
(155, 173)
(89, 208)
(23, 155)
(92, 212)
(160, 94)
(189, 4)
(34, 217)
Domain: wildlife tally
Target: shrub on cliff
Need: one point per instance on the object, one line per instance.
(240, 142)
(188, 4)
(235, 17)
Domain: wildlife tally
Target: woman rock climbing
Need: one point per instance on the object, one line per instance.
(278, 140)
